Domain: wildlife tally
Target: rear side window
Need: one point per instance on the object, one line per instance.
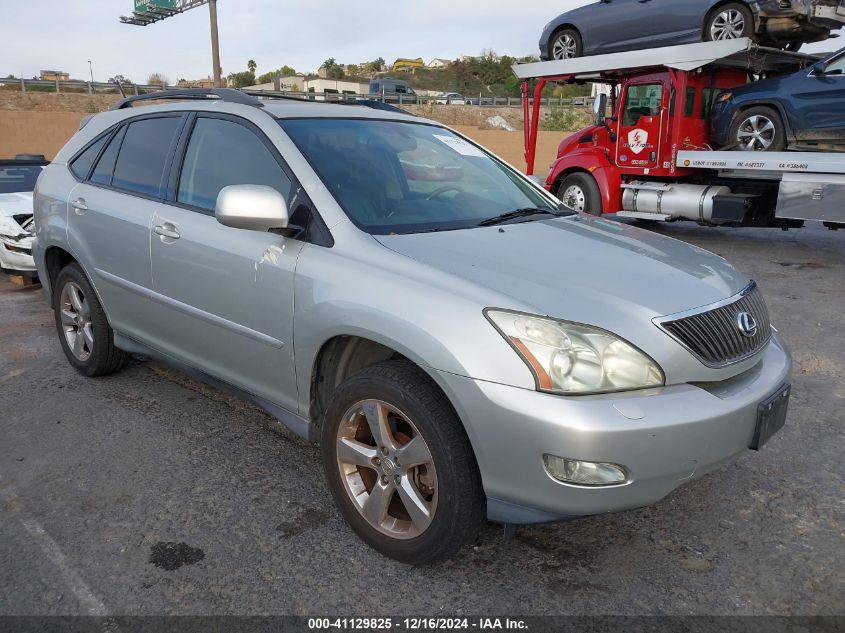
(143, 155)
(102, 173)
(222, 153)
(81, 166)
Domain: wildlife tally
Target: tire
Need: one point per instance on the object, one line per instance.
(447, 484)
(580, 192)
(758, 129)
(793, 47)
(84, 331)
(566, 44)
(729, 22)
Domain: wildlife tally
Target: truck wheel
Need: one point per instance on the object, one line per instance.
(84, 332)
(758, 129)
(566, 44)
(580, 192)
(729, 22)
(400, 466)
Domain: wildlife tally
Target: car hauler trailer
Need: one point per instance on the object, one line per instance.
(651, 159)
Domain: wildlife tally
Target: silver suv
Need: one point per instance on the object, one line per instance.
(460, 345)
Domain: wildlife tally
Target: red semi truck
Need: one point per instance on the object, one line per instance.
(650, 159)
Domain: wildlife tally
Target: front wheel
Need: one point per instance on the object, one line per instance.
(729, 22)
(580, 192)
(566, 44)
(400, 466)
(758, 129)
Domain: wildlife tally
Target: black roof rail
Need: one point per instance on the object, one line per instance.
(227, 95)
(342, 100)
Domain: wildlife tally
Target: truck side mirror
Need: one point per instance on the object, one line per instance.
(600, 108)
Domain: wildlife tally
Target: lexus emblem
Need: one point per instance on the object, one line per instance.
(746, 324)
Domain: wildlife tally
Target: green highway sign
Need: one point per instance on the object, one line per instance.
(141, 5)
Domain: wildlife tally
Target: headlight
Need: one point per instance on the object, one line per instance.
(573, 359)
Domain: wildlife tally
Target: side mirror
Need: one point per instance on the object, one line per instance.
(251, 207)
(600, 108)
(819, 69)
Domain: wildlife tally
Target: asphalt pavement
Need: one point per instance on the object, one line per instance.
(149, 493)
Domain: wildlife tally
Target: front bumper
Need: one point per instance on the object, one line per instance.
(16, 258)
(664, 437)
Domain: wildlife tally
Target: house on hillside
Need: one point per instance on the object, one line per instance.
(54, 75)
(408, 64)
(439, 62)
(207, 82)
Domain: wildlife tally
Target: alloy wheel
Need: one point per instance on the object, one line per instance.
(387, 469)
(76, 321)
(728, 25)
(565, 47)
(574, 198)
(756, 133)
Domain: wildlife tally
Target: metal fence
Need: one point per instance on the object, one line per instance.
(96, 88)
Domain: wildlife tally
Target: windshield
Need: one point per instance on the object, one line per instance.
(17, 178)
(397, 177)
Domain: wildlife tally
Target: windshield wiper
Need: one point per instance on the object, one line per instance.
(522, 213)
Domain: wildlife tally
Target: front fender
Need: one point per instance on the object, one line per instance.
(433, 318)
(596, 164)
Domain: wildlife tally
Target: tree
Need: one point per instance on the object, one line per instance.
(333, 69)
(242, 79)
(157, 79)
(284, 71)
(353, 70)
(251, 66)
(120, 79)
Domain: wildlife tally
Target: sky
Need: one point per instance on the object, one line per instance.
(63, 35)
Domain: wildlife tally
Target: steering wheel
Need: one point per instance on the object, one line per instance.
(442, 190)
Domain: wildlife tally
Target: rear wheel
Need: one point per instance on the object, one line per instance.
(566, 44)
(580, 192)
(400, 466)
(84, 331)
(729, 22)
(758, 129)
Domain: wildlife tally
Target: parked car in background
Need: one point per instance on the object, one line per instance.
(17, 180)
(452, 98)
(446, 367)
(802, 110)
(610, 26)
(389, 89)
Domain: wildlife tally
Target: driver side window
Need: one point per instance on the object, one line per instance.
(222, 153)
(642, 100)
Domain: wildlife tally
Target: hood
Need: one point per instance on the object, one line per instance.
(15, 204)
(581, 268)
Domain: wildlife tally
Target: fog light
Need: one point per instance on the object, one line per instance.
(579, 473)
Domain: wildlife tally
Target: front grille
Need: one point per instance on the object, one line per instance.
(713, 333)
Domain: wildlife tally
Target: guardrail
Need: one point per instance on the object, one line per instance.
(92, 88)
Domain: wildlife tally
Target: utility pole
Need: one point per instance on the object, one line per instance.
(215, 43)
(91, 68)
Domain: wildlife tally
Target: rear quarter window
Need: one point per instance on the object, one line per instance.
(81, 165)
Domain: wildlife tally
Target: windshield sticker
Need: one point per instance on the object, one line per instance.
(459, 145)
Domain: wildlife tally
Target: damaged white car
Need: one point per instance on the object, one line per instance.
(17, 181)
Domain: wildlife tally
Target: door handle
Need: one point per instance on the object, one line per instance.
(79, 205)
(167, 231)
